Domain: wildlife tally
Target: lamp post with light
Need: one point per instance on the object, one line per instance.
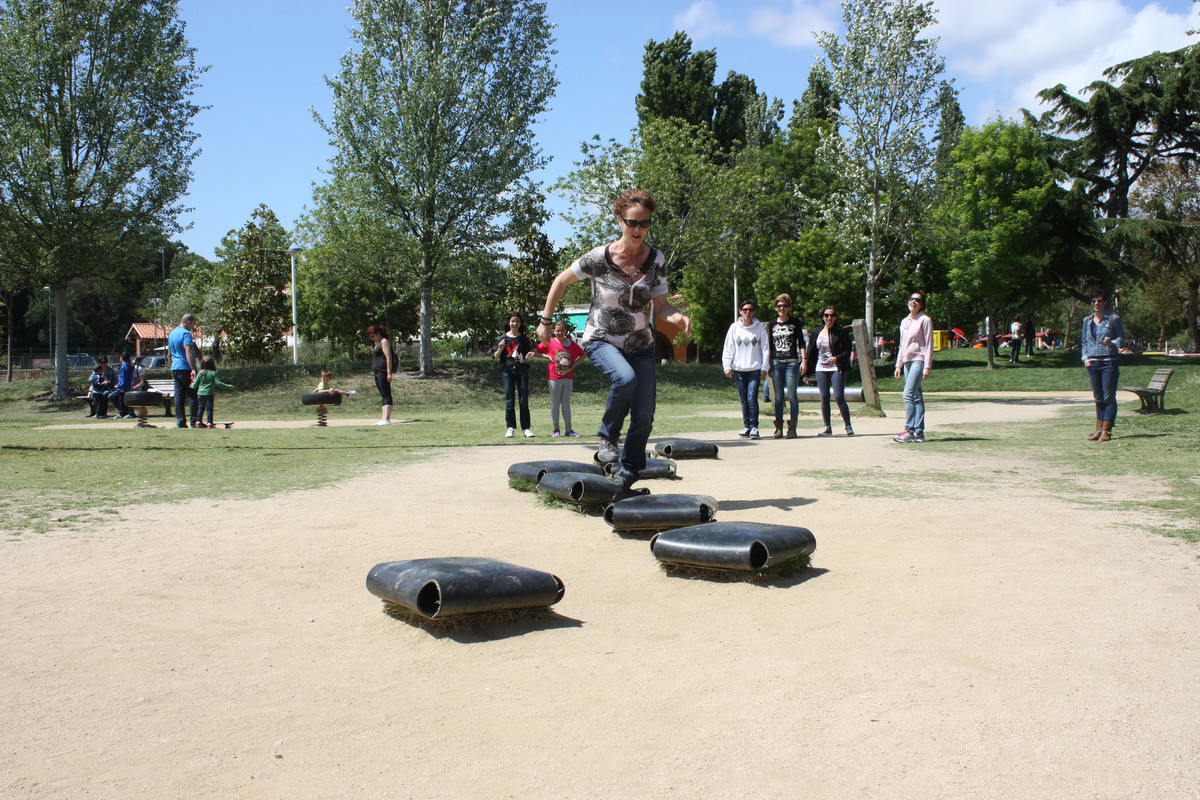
(294, 251)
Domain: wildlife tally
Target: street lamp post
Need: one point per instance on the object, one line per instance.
(295, 251)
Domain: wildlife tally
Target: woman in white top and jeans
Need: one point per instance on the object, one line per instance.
(914, 355)
(747, 358)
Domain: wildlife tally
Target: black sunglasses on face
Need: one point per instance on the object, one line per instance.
(636, 223)
(782, 305)
(829, 316)
(747, 310)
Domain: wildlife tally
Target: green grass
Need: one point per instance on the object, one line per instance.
(58, 478)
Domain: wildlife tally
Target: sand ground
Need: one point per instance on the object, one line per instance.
(999, 633)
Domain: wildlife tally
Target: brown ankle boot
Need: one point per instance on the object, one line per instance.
(1099, 430)
(791, 432)
(1105, 431)
(778, 431)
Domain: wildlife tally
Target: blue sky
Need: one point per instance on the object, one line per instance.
(268, 60)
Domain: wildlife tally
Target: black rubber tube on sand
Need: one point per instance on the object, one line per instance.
(443, 587)
(660, 512)
(534, 470)
(583, 488)
(744, 546)
(686, 448)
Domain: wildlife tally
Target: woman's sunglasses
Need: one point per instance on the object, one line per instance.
(636, 223)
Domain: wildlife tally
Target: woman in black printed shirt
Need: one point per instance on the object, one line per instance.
(785, 335)
(629, 288)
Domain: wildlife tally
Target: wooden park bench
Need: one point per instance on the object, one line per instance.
(1152, 396)
(165, 387)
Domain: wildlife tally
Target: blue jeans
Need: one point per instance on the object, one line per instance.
(833, 383)
(914, 398)
(787, 377)
(1103, 374)
(747, 385)
(204, 403)
(117, 398)
(185, 396)
(516, 383)
(631, 393)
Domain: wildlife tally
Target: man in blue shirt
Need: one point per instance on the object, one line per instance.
(183, 368)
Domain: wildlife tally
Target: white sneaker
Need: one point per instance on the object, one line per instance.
(384, 422)
(508, 434)
(528, 433)
(826, 431)
(753, 433)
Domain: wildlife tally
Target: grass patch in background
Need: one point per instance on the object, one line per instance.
(66, 478)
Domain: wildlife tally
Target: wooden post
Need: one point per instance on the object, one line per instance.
(866, 365)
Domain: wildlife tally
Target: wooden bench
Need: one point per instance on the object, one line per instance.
(1153, 395)
(165, 387)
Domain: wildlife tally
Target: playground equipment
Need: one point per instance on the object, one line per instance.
(142, 401)
(745, 546)
(443, 587)
(534, 470)
(321, 400)
(660, 512)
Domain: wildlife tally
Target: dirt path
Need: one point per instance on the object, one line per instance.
(965, 642)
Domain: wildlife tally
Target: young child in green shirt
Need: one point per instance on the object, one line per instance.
(206, 384)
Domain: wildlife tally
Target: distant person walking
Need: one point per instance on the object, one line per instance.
(827, 356)
(563, 353)
(1103, 335)
(785, 335)
(385, 361)
(206, 384)
(512, 349)
(182, 348)
(1015, 342)
(914, 357)
(746, 358)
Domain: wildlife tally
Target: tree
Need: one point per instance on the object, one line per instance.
(434, 113)
(1168, 247)
(886, 76)
(95, 105)
(949, 130)
(677, 83)
(820, 102)
(1000, 188)
(1109, 140)
(744, 117)
(248, 282)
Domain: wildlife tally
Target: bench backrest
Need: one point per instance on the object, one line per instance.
(160, 385)
(1159, 382)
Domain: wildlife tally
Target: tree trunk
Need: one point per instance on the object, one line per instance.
(869, 309)
(1192, 308)
(8, 342)
(426, 321)
(989, 330)
(62, 374)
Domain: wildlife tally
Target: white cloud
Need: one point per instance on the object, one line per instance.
(1012, 51)
(703, 21)
(796, 24)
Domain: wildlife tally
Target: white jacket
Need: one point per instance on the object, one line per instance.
(746, 349)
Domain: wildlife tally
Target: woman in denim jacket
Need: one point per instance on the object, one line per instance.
(1103, 335)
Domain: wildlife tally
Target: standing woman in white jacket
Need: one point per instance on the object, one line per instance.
(747, 359)
(914, 357)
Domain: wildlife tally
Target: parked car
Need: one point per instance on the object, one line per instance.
(156, 361)
(80, 361)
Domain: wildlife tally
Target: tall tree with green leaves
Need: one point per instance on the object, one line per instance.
(434, 110)
(677, 83)
(96, 109)
(249, 280)
(886, 75)
(1148, 110)
(820, 102)
(951, 124)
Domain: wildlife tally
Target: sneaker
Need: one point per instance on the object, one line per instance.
(904, 438)
(102, 416)
(528, 433)
(826, 431)
(745, 434)
(919, 437)
(211, 426)
(607, 453)
(384, 422)
(556, 433)
(753, 433)
(573, 434)
(508, 434)
(849, 431)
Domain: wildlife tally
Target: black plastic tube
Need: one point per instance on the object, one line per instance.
(534, 470)
(443, 587)
(655, 468)
(321, 398)
(660, 512)
(583, 488)
(746, 546)
(686, 448)
(142, 398)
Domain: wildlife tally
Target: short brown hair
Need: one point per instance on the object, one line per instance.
(784, 298)
(634, 197)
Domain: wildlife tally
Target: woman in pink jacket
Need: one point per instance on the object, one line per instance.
(914, 355)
